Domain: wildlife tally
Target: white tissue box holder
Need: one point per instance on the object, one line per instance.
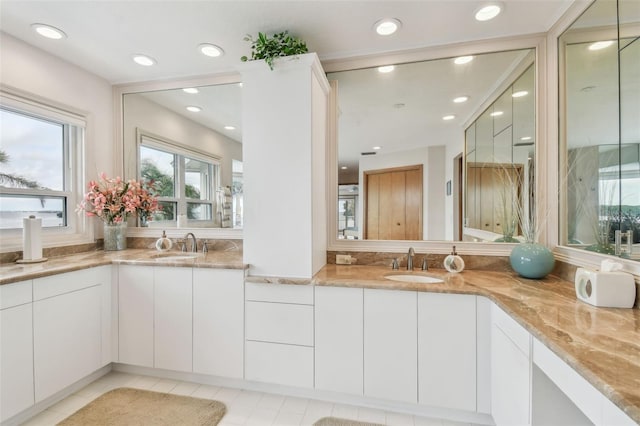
(605, 289)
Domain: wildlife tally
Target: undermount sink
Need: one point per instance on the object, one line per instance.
(174, 257)
(411, 278)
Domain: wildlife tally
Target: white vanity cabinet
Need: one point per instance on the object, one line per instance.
(67, 328)
(16, 348)
(339, 321)
(135, 315)
(447, 350)
(510, 370)
(390, 345)
(279, 334)
(218, 322)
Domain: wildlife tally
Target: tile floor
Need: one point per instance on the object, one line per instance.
(244, 407)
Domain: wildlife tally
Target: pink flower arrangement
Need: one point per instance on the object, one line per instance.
(113, 200)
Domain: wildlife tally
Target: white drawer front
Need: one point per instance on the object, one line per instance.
(280, 364)
(283, 293)
(279, 323)
(512, 329)
(68, 282)
(15, 294)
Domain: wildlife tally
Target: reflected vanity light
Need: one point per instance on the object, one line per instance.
(461, 60)
(144, 60)
(448, 117)
(461, 99)
(386, 69)
(194, 108)
(520, 94)
(496, 113)
(229, 127)
(488, 11)
(525, 138)
(377, 148)
(343, 168)
(48, 31)
(598, 45)
(387, 26)
(210, 50)
(190, 90)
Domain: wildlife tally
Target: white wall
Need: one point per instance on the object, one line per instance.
(140, 112)
(433, 183)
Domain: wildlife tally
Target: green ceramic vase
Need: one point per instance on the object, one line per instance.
(531, 260)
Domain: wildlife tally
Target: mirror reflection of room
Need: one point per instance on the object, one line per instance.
(188, 141)
(403, 144)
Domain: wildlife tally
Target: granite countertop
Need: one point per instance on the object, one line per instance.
(601, 344)
(13, 272)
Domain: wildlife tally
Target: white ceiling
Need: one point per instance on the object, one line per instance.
(102, 35)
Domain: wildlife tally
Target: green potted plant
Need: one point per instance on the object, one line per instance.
(269, 48)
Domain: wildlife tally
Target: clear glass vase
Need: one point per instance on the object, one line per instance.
(115, 236)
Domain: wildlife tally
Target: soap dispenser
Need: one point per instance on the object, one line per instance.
(453, 262)
(164, 243)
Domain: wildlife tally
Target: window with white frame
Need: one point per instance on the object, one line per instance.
(40, 164)
(184, 180)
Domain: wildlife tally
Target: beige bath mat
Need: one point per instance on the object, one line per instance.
(336, 421)
(126, 406)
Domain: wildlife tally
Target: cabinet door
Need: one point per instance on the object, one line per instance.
(67, 337)
(173, 318)
(218, 317)
(447, 350)
(339, 336)
(16, 360)
(510, 381)
(390, 345)
(135, 315)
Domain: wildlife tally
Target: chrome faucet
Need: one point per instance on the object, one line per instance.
(410, 259)
(194, 242)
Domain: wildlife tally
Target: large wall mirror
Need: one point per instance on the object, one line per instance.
(600, 130)
(413, 140)
(188, 140)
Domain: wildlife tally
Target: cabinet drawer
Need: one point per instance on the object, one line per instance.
(283, 293)
(280, 364)
(511, 329)
(71, 281)
(15, 294)
(279, 323)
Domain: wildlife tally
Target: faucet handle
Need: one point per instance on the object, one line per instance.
(205, 249)
(183, 246)
(394, 264)
(425, 264)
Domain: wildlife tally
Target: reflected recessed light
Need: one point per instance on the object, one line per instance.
(229, 127)
(461, 99)
(343, 167)
(191, 90)
(496, 113)
(488, 11)
(239, 84)
(144, 60)
(211, 50)
(448, 117)
(387, 26)
(386, 69)
(377, 148)
(525, 138)
(194, 109)
(48, 31)
(463, 60)
(600, 45)
(520, 94)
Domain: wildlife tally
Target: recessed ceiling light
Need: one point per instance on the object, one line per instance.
(488, 11)
(496, 113)
(194, 108)
(343, 167)
(229, 127)
(144, 60)
(387, 68)
(448, 117)
(239, 84)
(191, 90)
(387, 26)
(520, 94)
(48, 31)
(600, 45)
(461, 99)
(377, 148)
(211, 50)
(525, 138)
(463, 60)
